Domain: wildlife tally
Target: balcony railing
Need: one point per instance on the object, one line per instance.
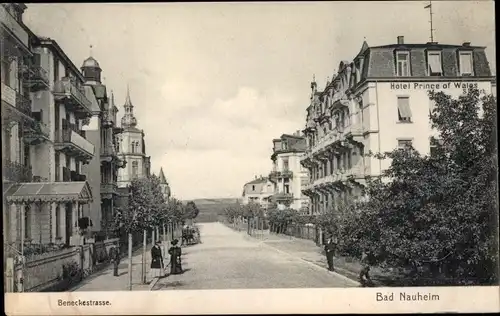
(10, 23)
(283, 196)
(36, 133)
(108, 188)
(35, 77)
(16, 172)
(74, 176)
(71, 140)
(66, 88)
(23, 104)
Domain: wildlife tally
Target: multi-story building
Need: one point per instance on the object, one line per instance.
(165, 188)
(258, 191)
(288, 173)
(102, 171)
(44, 146)
(131, 147)
(379, 102)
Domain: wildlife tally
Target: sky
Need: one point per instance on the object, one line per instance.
(213, 84)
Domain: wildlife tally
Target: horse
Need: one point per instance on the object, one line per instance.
(187, 236)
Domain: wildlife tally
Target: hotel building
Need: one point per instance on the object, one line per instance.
(379, 102)
(44, 107)
(288, 173)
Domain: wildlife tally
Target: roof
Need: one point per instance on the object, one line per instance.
(91, 62)
(78, 191)
(258, 180)
(46, 41)
(89, 93)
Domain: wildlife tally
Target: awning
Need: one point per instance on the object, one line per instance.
(404, 107)
(78, 191)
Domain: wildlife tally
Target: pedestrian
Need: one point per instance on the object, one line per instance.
(364, 274)
(330, 252)
(114, 255)
(175, 258)
(157, 269)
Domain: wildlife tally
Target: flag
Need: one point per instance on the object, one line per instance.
(427, 6)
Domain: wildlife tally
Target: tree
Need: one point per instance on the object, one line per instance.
(439, 209)
(135, 217)
(191, 210)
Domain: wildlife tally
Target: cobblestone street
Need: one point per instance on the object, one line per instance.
(228, 259)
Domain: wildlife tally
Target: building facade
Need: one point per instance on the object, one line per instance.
(131, 147)
(258, 191)
(379, 102)
(288, 173)
(102, 171)
(44, 107)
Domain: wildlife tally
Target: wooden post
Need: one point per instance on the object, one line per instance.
(130, 261)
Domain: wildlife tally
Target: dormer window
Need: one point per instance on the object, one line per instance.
(465, 63)
(284, 145)
(434, 64)
(402, 64)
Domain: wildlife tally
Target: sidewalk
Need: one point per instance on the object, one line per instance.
(309, 251)
(105, 281)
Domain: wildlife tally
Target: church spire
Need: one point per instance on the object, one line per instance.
(163, 180)
(128, 119)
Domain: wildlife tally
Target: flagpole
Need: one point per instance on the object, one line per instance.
(429, 6)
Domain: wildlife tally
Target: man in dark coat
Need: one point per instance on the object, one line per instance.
(115, 259)
(330, 252)
(157, 270)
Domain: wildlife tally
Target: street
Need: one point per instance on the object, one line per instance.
(228, 259)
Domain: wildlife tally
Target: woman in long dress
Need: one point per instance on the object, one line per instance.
(157, 269)
(175, 258)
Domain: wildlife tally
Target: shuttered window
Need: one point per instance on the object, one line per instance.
(465, 63)
(404, 111)
(434, 63)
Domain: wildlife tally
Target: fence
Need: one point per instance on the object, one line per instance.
(58, 270)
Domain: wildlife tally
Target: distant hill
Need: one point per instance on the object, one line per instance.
(211, 209)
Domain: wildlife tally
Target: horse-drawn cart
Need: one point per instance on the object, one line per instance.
(190, 235)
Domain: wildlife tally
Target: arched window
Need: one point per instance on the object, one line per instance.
(135, 169)
(347, 117)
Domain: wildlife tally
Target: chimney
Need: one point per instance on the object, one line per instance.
(466, 44)
(401, 40)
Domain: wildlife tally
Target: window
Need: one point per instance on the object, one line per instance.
(404, 111)
(405, 144)
(434, 64)
(6, 72)
(285, 164)
(253, 187)
(56, 69)
(57, 221)
(284, 145)
(402, 64)
(433, 150)
(27, 222)
(135, 169)
(286, 186)
(465, 63)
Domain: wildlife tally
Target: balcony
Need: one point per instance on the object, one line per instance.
(354, 132)
(282, 196)
(16, 172)
(66, 90)
(35, 78)
(108, 190)
(36, 133)
(74, 144)
(108, 154)
(355, 172)
(14, 28)
(75, 176)
(281, 174)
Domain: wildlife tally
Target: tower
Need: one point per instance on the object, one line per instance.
(91, 71)
(131, 146)
(165, 188)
